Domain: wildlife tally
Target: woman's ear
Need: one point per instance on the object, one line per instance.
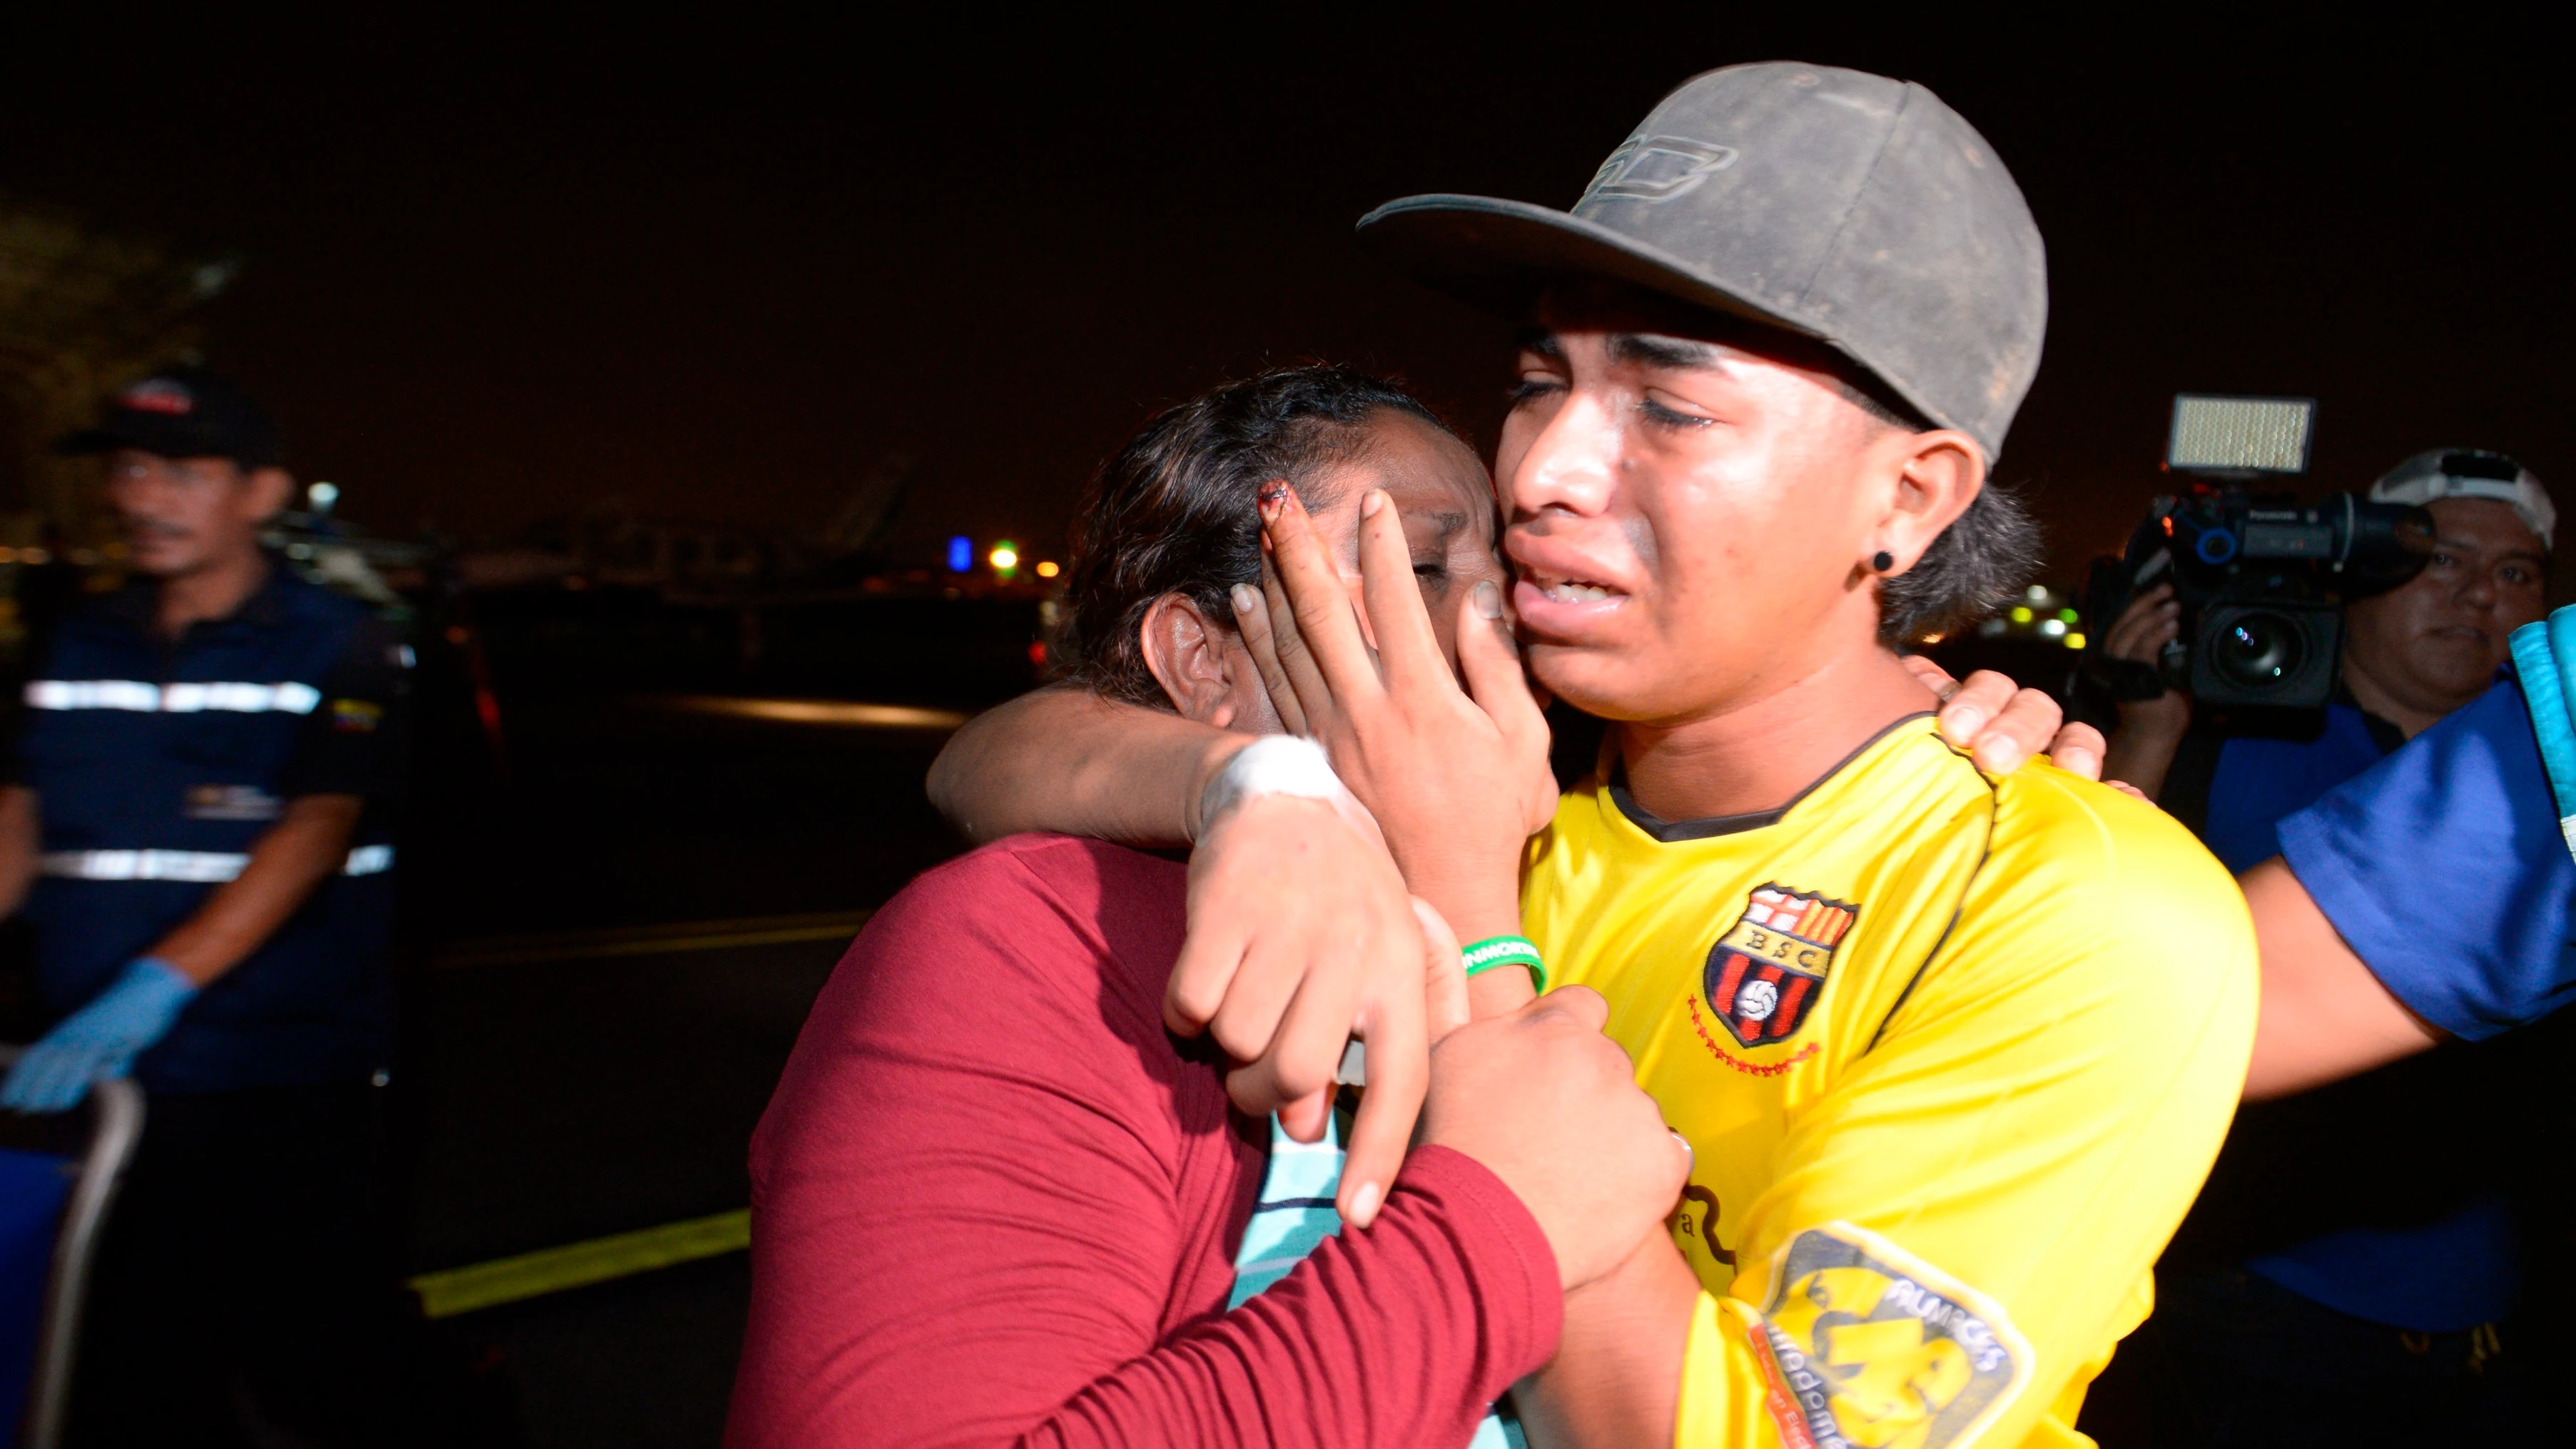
(1187, 653)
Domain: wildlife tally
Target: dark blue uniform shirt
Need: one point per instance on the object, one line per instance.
(2460, 1270)
(158, 763)
(2258, 781)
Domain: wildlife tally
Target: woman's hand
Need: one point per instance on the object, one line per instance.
(1458, 779)
(2001, 724)
(1302, 936)
(1303, 933)
(2022, 721)
(1284, 965)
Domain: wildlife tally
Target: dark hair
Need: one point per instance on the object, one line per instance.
(1174, 511)
(1978, 563)
(1981, 560)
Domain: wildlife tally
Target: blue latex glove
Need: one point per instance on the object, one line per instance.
(101, 1039)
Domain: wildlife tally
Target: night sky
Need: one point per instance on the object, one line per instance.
(721, 269)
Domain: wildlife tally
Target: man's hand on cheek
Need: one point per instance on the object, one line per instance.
(1457, 783)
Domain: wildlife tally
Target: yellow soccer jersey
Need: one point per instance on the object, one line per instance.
(1954, 1053)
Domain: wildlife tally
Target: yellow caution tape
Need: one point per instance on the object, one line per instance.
(452, 1291)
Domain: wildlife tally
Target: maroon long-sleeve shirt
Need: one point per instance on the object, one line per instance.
(995, 1202)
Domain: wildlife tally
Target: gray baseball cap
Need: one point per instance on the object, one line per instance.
(1840, 205)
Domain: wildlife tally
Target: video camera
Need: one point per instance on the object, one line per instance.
(2262, 579)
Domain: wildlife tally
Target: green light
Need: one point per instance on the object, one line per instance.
(2069, 616)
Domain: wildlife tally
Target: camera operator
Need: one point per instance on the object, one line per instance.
(2403, 1307)
(2411, 655)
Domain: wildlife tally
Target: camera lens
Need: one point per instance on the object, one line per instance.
(2257, 648)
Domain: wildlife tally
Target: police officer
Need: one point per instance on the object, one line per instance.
(197, 829)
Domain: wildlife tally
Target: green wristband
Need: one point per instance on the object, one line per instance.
(1495, 951)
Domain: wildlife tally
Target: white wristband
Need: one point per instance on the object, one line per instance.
(1281, 765)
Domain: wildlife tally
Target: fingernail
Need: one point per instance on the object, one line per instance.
(1371, 502)
(1364, 1204)
(2079, 762)
(2003, 759)
(1964, 722)
(1246, 598)
(1489, 601)
(1269, 496)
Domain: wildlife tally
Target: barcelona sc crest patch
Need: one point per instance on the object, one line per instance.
(1764, 975)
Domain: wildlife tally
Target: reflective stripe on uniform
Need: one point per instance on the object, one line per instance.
(202, 867)
(234, 697)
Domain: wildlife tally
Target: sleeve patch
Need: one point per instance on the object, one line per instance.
(1869, 1347)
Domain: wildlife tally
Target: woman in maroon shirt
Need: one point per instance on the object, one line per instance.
(995, 1201)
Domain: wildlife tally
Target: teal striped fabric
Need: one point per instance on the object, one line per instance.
(2544, 656)
(1295, 1212)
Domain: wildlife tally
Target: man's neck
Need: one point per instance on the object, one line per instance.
(1761, 755)
(214, 591)
(2378, 699)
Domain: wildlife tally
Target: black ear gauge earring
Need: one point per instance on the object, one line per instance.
(1881, 561)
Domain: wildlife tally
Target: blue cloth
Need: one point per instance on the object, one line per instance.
(2452, 1274)
(2444, 869)
(1293, 1216)
(2440, 1278)
(2544, 656)
(33, 1188)
(2258, 781)
(135, 743)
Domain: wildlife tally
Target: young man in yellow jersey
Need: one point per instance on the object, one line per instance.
(1953, 1048)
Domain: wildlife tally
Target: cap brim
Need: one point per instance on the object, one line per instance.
(1498, 256)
